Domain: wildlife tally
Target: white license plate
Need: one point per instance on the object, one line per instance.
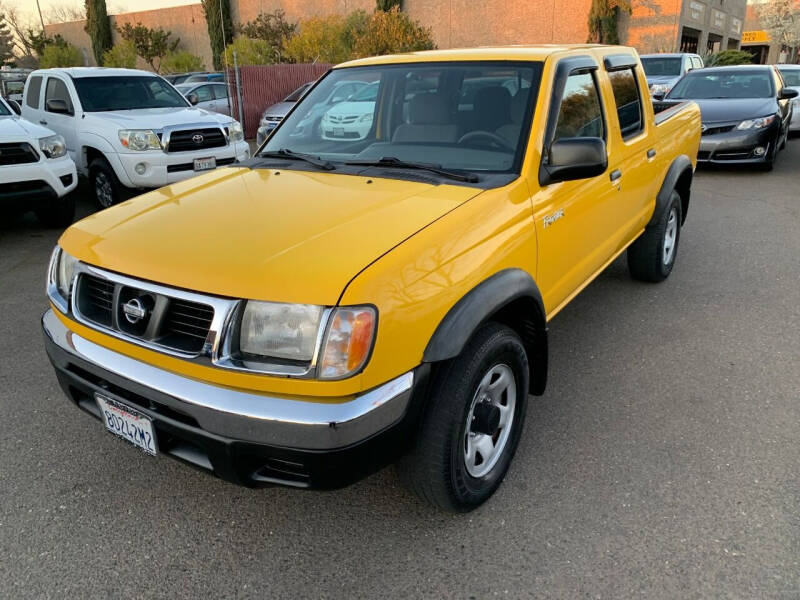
(127, 423)
(338, 131)
(204, 164)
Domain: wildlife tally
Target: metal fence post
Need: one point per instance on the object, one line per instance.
(238, 89)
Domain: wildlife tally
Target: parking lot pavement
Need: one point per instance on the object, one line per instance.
(663, 461)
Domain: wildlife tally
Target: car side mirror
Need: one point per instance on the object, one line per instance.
(15, 106)
(57, 106)
(574, 158)
(193, 99)
(788, 94)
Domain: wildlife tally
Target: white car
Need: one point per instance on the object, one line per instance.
(36, 173)
(209, 96)
(126, 128)
(351, 119)
(791, 77)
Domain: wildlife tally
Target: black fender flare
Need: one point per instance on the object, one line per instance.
(510, 296)
(681, 167)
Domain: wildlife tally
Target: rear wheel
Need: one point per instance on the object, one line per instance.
(652, 256)
(473, 423)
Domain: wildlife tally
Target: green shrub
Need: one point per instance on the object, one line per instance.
(250, 52)
(729, 57)
(55, 55)
(182, 61)
(122, 55)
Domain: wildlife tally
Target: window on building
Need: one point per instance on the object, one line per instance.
(580, 113)
(57, 90)
(34, 91)
(689, 40)
(628, 101)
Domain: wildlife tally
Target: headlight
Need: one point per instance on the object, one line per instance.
(659, 88)
(348, 342)
(139, 139)
(59, 279)
(757, 123)
(53, 146)
(235, 131)
(366, 118)
(284, 331)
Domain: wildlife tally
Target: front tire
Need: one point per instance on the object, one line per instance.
(652, 256)
(105, 185)
(473, 422)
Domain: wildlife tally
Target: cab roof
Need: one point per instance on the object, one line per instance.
(510, 53)
(78, 72)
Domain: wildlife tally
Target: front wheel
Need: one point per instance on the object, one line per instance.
(104, 182)
(472, 424)
(652, 256)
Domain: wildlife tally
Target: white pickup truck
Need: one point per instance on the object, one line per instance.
(126, 128)
(35, 171)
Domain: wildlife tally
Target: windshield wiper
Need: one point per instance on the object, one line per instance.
(290, 154)
(394, 162)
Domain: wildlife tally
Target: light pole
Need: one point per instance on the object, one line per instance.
(39, 8)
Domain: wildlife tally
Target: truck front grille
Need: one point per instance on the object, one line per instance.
(196, 139)
(17, 153)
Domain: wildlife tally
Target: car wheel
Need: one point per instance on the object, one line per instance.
(473, 423)
(57, 212)
(652, 256)
(104, 182)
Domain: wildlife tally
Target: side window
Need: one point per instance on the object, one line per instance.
(204, 93)
(697, 63)
(34, 91)
(628, 101)
(57, 90)
(220, 92)
(580, 113)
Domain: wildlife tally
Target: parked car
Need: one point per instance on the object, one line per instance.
(126, 128)
(275, 113)
(664, 70)
(351, 119)
(335, 305)
(791, 79)
(746, 112)
(339, 92)
(201, 77)
(209, 96)
(36, 173)
(178, 78)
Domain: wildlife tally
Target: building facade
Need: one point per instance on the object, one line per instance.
(701, 26)
(756, 40)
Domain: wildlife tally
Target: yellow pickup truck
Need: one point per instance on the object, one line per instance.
(375, 285)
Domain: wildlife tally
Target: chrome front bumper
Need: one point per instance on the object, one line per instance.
(317, 424)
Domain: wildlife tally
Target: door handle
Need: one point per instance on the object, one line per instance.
(615, 175)
(43, 122)
(651, 153)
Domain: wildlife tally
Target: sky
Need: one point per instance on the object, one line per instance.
(29, 6)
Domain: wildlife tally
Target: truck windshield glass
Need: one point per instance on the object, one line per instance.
(666, 67)
(101, 94)
(708, 85)
(471, 116)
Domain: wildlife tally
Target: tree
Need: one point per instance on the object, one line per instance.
(603, 19)
(781, 19)
(56, 55)
(273, 28)
(122, 55)
(249, 52)
(98, 27)
(220, 27)
(386, 5)
(151, 44)
(182, 62)
(729, 57)
(389, 32)
(6, 41)
(64, 13)
(319, 39)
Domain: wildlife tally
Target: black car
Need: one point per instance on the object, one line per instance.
(746, 112)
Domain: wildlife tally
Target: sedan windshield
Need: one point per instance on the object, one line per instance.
(100, 94)
(471, 116)
(662, 67)
(791, 77)
(705, 85)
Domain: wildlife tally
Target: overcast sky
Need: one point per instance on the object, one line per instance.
(114, 6)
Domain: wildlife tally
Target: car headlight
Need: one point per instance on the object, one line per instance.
(139, 139)
(659, 88)
(348, 342)
(59, 278)
(757, 123)
(235, 131)
(366, 118)
(53, 146)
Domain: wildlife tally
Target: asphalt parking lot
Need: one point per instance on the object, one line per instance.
(663, 461)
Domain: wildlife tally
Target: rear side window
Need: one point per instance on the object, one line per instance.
(628, 101)
(220, 92)
(580, 113)
(34, 90)
(57, 90)
(697, 63)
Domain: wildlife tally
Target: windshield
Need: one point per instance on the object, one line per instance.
(791, 77)
(662, 67)
(99, 94)
(739, 84)
(471, 116)
(4, 110)
(184, 88)
(298, 93)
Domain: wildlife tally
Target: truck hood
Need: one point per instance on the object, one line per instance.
(157, 118)
(15, 129)
(284, 236)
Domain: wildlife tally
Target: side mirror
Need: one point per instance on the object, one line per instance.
(57, 106)
(193, 99)
(15, 106)
(574, 158)
(788, 94)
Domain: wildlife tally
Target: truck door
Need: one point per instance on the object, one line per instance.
(31, 107)
(59, 113)
(570, 216)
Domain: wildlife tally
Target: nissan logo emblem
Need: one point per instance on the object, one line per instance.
(197, 138)
(134, 311)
